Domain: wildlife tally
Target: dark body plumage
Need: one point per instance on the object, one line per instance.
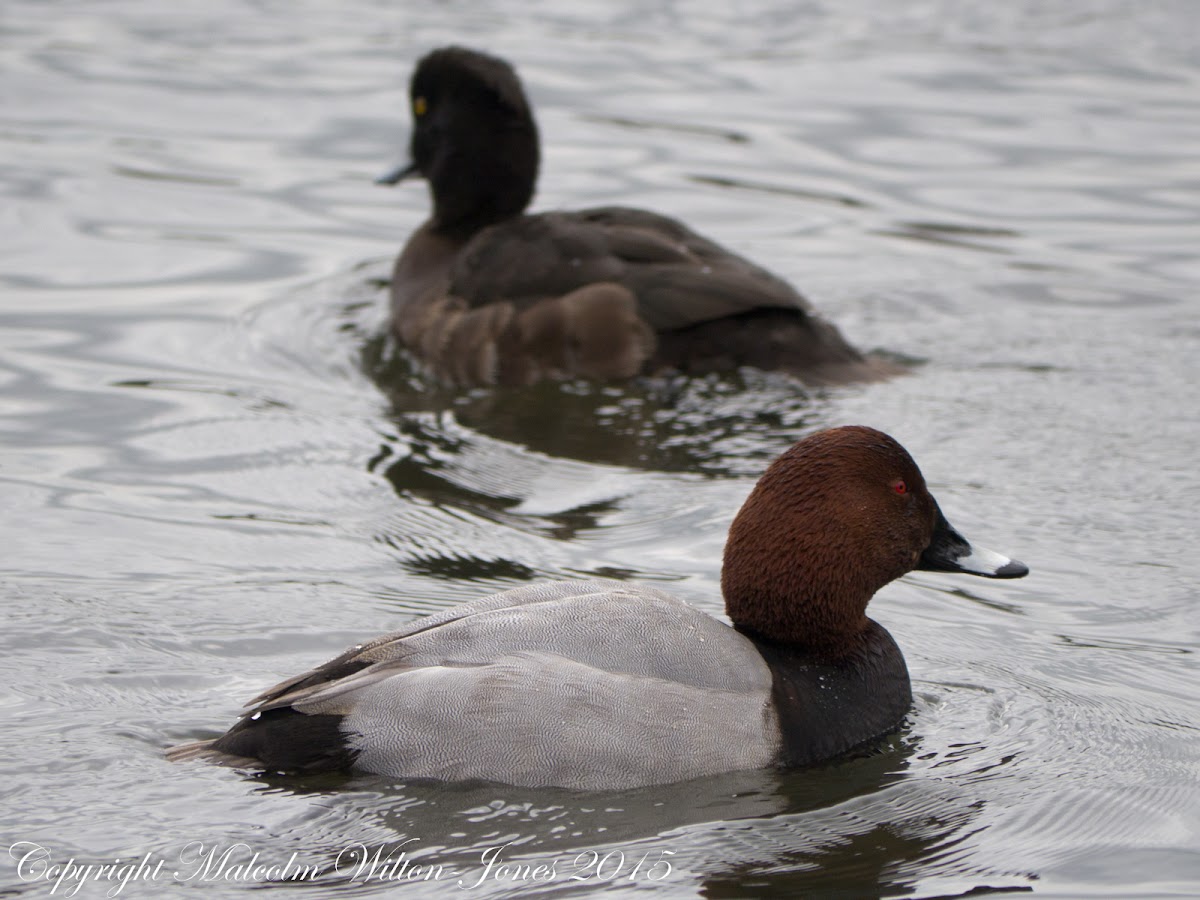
(485, 293)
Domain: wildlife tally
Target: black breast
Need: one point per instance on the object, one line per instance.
(828, 708)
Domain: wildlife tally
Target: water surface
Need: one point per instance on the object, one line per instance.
(217, 472)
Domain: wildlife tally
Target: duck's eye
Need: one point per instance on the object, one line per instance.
(419, 106)
(899, 486)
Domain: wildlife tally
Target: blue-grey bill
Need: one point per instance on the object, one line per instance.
(990, 564)
(949, 551)
(397, 174)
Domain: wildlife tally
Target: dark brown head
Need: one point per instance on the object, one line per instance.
(474, 139)
(831, 521)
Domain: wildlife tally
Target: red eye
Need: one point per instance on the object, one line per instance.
(900, 487)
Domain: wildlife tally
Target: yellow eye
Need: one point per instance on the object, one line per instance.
(419, 106)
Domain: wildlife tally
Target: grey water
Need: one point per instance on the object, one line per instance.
(215, 471)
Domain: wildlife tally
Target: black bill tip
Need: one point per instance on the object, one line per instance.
(1014, 569)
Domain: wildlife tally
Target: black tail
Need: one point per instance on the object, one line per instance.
(277, 740)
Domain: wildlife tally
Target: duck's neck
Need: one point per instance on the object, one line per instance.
(481, 186)
(802, 562)
(459, 218)
(829, 628)
(798, 583)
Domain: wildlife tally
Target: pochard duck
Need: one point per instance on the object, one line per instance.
(484, 293)
(604, 685)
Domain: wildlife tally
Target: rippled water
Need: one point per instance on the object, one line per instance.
(216, 472)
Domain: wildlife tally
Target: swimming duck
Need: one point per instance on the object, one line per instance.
(484, 293)
(605, 685)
